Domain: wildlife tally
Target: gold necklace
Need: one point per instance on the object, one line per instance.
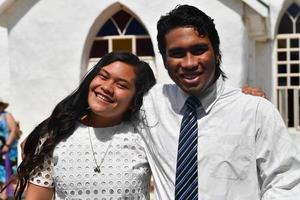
(97, 168)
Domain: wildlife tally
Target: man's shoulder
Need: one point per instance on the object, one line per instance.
(162, 86)
(163, 89)
(246, 105)
(161, 96)
(236, 96)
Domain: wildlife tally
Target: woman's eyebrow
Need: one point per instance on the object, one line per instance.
(118, 79)
(124, 80)
(104, 70)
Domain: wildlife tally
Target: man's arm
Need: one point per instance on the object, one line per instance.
(277, 156)
(254, 91)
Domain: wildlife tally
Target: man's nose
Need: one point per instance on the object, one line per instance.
(189, 61)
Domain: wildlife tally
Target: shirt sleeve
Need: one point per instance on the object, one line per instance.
(42, 175)
(277, 156)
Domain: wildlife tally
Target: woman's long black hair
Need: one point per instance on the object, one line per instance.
(66, 114)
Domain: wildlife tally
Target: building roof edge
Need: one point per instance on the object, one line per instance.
(259, 6)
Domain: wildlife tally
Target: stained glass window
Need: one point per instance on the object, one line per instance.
(288, 70)
(108, 29)
(122, 32)
(144, 47)
(293, 10)
(122, 45)
(135, 28)
(294, 43)
(99, 48)
(290, 21)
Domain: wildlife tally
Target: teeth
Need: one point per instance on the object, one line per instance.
(103, 97)
(189, 76)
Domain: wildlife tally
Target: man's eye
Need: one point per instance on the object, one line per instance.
(177, 54)
(198, 50)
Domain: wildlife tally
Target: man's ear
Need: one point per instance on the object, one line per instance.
(217, 58)
(164, 60)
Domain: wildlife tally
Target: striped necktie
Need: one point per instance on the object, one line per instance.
(186, 184)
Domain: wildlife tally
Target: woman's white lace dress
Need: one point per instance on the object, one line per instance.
(125, 173)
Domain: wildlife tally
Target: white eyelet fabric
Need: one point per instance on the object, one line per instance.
(125, 173)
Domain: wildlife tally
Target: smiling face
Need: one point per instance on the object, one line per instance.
(111, 93)
(190, 59)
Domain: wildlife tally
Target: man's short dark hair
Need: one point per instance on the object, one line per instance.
(184, 16)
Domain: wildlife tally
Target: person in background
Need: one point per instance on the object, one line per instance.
(8, 145)
(206, 140)
(89, 146)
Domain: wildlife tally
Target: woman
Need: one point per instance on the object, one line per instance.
(88, 148)
(8, 145)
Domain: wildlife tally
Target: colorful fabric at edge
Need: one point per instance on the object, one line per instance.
(8, 161)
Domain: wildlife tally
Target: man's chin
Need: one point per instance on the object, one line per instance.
(194, 90)
(189, 88)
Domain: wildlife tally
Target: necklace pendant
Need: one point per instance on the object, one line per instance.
(97, 169)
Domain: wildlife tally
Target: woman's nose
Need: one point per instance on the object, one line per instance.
(107, 87)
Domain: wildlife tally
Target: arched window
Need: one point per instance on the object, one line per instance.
(122, 32)
(288, 66)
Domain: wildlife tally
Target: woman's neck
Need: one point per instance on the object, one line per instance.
(99, 122)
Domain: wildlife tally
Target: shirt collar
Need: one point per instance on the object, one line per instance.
(208, 98)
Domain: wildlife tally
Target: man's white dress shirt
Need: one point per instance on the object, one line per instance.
(244, 149)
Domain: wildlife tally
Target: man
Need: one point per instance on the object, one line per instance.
(242, 147)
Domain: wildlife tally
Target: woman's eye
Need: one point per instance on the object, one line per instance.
(103, 77)
(122, 85)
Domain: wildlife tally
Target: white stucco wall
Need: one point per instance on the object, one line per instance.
(264, 72)
(4, 65)
(233, 39)
(47, 44)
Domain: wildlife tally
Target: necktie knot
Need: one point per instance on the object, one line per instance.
(192, 102)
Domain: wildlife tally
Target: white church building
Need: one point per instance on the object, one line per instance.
(46, 46)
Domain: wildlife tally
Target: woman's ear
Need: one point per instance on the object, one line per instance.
(134, 105)
(132, 108)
